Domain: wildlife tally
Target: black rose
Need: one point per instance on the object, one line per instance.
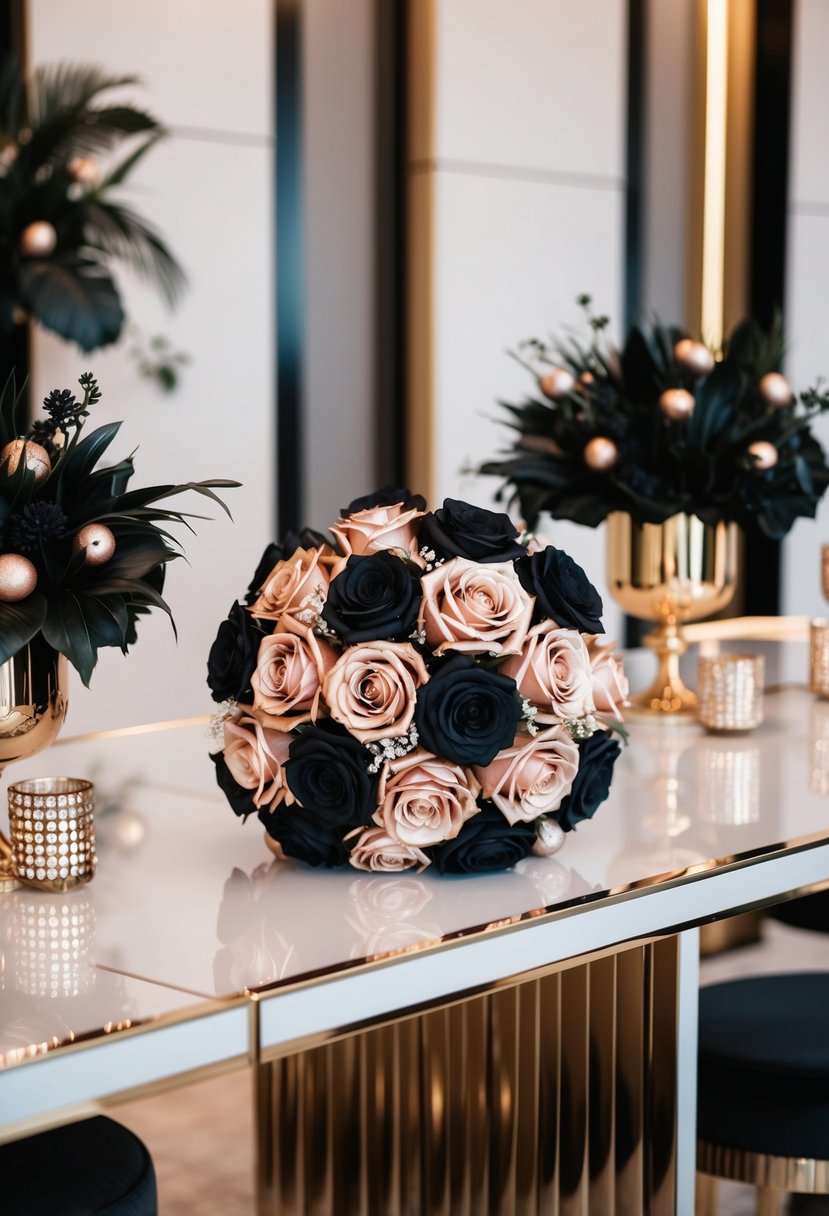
(327, 772)
(375, 597)
(467, 713)
(305, 539)
(305, 838)
(457, 529)
(485, 842)
(232, 657)
(562, 590)
(388, 496)
(597, 755)
(240, 799)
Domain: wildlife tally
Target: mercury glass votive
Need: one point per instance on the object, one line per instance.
(731, 691)
(52, 832)
(819, 656)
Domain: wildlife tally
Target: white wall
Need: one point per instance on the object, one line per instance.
(520, 169)
(338, 163)
(207, 75)
(807, 273)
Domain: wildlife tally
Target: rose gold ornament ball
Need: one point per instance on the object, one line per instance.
(557, 383)
(98, 542)
(18, 577)
(677, 404)
(586, 378)
(776, 390)
(764, 455)
(695, 357)
(38, 240)
(84, 170)
(600, 453)
(37, 458)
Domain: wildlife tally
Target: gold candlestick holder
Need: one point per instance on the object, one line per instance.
(819, 657)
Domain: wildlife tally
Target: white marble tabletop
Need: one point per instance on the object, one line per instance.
(189, 906)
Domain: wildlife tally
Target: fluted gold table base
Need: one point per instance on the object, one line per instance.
(553, 1097)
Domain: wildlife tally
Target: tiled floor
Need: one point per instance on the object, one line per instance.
(201, 1138)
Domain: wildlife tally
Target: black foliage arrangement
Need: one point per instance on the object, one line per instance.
(61, 224)
(663, 426)
(82, 556)
(420, 688)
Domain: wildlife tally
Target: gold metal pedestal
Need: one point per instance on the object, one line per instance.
(552, 1097)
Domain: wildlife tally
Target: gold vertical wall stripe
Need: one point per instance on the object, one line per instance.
(420, 428)
(713, 206)
(742, 37)
(555, 1097)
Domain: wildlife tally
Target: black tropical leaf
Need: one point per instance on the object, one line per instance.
(19, 623)
(75, 297)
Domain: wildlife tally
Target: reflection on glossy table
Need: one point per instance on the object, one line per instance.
(193, 951)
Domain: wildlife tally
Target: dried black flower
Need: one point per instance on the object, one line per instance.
(39, 524)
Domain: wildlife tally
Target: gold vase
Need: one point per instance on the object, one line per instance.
(32, 709)
(680, 570)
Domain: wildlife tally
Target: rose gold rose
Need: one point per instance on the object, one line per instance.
(553, 672)
(374, 849)
(424, 799)
(372, 689)
(533, 776)
(376, 528)
(480, 609)
(300, 582)
(290, 667)
(255, 757)
(610, 684)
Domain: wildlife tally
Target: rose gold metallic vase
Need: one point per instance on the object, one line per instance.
(32, 709)
(680, 570)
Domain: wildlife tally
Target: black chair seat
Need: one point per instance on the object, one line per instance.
(91, 1168)
(764, 1065)
(809, 912)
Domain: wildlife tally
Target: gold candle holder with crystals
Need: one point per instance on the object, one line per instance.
(52, 832)
(731, 692)
(819, 657)
(824, 570)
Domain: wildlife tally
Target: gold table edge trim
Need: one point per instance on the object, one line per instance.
(801, 1175)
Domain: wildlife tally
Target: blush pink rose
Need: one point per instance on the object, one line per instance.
(299, 583)
(374, 849)
(610, 684)
(372, 689)
(290, 667)
(533, 776)
(255, 757)
(423, 799)
(376, 528)
(480, 609)
(553, 672)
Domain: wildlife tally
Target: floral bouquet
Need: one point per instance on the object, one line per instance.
(423, 688)
(662, 426)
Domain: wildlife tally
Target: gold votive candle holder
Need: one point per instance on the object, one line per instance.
(731, 692)
(824, 570)
(52, 830)
(819, 656)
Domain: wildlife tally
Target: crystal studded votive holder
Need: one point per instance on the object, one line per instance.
(52, 832)
(824, 570)
(819, 657)
(731, 692)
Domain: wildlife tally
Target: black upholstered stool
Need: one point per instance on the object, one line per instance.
(808, 912)
(763, 1098)
(92, 1168)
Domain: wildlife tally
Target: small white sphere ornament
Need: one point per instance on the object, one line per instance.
(549, 837)
(677, 404)
(38, 240)
(98, 542)
(37, 458)
(600, 453)
(763, 455)
(775, 390)
(557, 383)
(694, 357)
(85, 171)
(18, 577)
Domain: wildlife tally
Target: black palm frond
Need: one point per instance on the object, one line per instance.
(117, 231)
